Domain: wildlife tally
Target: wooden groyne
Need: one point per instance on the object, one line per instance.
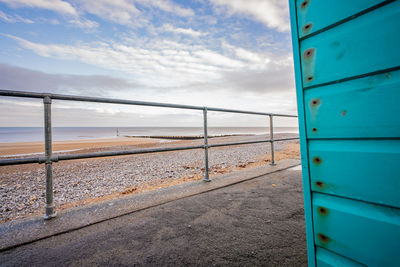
(186, 137)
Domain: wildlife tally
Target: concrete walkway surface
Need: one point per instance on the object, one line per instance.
(251, 222)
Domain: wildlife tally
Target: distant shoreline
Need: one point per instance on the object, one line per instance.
(24, 149)
(36, 148)
(36, 134)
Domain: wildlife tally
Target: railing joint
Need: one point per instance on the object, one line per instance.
(42, 160)
(47, 99)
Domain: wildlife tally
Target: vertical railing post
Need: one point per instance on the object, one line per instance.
(271, 136)
(50, 212)
(206, 176)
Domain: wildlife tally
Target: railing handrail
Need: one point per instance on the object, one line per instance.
(56, 158)
(11, 93)
(49, 158)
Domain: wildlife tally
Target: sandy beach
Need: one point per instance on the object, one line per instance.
(80, 182)
(22, 148)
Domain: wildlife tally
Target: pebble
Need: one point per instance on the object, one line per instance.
(23, 192)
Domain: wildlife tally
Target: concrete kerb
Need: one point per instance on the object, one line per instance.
(22, 232)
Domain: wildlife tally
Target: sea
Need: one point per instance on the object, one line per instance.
(32, 134)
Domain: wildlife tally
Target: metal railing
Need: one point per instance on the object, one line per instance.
(49, 158)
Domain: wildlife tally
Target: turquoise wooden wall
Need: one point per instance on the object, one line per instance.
(347, 67)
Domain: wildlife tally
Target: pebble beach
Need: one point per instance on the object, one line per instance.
(80, 182)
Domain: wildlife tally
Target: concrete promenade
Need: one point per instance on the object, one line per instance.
(257, 219)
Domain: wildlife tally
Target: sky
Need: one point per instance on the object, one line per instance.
(219, 53)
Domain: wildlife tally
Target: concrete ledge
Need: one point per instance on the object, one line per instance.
(21, 232)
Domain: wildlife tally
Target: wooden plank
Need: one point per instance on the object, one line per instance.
(352, 69)
(326, 258)
(314, 15)
(303, 139)
(367, 44)
(361, 108)
(359, 169)
(367, 233)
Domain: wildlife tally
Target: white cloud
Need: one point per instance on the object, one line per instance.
(272, 13)
(58, 6)
(190, 74)
(118, 11)
(168, 6)
(84, 23)
(126, 12)
(77, 22)
(196, 65)
(18, 78)
(257, 60)
(14, 19)
(157, 61)
(169, 64)
(54, 21)
(185, 31)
